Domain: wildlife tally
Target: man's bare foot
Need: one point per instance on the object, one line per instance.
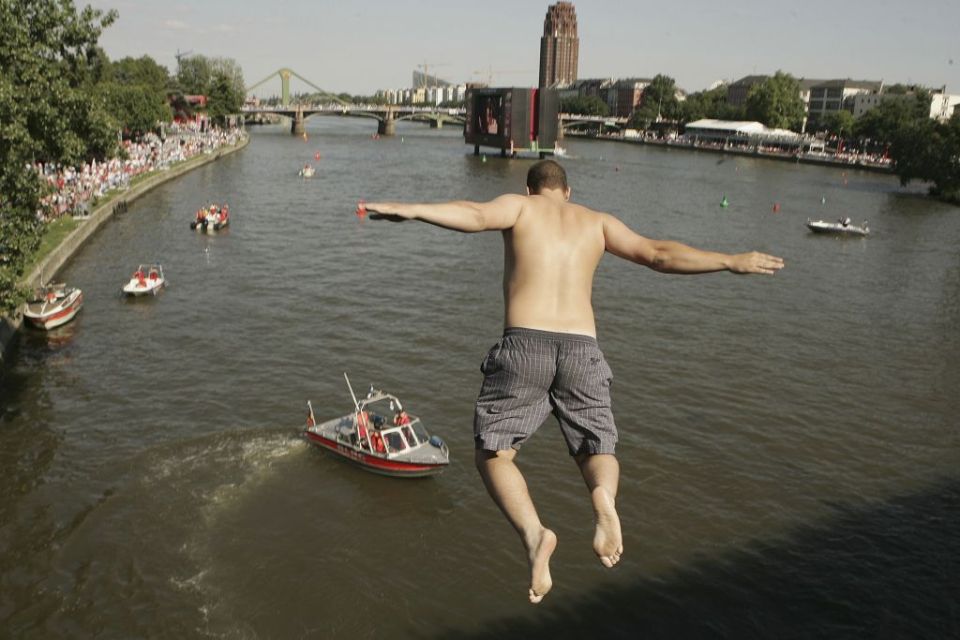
(540, 552)
(607, 541)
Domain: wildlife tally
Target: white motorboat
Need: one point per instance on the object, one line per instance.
(307, 171)
(843, 226)
(53, 305)
(380, 436)
(148, 278)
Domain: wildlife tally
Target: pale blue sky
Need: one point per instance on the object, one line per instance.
(359, 47)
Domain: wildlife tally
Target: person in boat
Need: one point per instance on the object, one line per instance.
(845, 222)
(552, 248)
(401, 418)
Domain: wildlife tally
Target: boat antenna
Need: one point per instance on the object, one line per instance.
(352, 394)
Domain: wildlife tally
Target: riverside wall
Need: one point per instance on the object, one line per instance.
(61, 255)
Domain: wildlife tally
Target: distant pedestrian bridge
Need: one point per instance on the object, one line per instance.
(386, 116)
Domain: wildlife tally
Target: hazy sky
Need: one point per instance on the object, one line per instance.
(359, 47)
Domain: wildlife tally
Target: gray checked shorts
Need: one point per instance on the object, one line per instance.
(529, 374)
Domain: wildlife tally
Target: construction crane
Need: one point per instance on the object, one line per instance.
(425, 68)
(490, 72)
(180, 55)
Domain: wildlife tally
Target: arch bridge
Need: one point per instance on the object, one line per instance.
(385, 115)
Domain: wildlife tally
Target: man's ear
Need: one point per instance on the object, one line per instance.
(528, 190)
(566, 194)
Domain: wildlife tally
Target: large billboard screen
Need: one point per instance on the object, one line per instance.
(511, 119)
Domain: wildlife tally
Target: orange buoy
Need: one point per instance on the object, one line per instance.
(776, 207)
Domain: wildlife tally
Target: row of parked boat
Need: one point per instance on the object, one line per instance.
(55, 304)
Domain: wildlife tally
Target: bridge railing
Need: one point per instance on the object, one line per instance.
(371, 108)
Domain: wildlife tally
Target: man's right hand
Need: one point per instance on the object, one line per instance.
(755, 262)
(386, 211)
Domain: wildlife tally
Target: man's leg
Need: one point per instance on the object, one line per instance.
(508, 489)
(601, 472)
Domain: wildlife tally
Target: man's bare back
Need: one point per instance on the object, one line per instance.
(550, 255)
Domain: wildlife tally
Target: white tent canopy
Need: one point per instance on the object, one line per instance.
(739, 129)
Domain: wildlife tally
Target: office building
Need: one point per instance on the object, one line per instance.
(559, 46)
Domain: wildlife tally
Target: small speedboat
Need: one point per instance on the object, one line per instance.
(379, 436)
(843, 226)
(307, 171)
(148, 278)
(214, 218)
(53, 305)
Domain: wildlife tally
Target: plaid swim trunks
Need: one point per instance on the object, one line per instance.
(529, 374)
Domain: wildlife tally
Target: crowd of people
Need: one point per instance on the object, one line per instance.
(839, 154)
(74, 188)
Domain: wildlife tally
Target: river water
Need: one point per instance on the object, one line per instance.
(789, 447)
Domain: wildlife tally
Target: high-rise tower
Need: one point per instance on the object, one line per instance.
(559, 46)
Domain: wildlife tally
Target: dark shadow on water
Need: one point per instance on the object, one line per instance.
(882, 571)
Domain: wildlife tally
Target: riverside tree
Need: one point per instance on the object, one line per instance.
(585, 106)
(776, 102)
(659, 102)
(220, 79)
(711, 103)
(48, 61)
(930, 151)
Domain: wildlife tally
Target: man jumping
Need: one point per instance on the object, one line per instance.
(548, 360)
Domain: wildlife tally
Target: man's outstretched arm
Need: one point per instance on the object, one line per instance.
(674, 257)
(459, 215)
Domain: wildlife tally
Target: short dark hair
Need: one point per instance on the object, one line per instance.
(546, 174)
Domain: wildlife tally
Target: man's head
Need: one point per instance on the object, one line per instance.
(546, 174)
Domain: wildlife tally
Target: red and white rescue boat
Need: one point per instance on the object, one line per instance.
(380, 437)
(53, 305)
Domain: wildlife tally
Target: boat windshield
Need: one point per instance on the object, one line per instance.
(395, 441)
(408, 434)
(420, 430)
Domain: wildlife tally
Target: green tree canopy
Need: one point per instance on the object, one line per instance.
(709, 104)
(930, 151)
(894, 114)
(49, 60)
(143, 71)
(776, 102)
(220, 79)
(659, 102)
(136, 108)
(838, 123)
(223, 98)
(585, 106)
(194, 75)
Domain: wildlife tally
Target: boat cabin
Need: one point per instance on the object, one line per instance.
(372, 430)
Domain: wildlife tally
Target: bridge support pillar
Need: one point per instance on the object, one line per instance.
(387, 127)
(559, 131)
(297, 128)
(436, 124)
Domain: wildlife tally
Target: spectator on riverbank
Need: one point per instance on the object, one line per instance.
(75, 188)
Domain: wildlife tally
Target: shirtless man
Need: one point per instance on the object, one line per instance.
(548, 360)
